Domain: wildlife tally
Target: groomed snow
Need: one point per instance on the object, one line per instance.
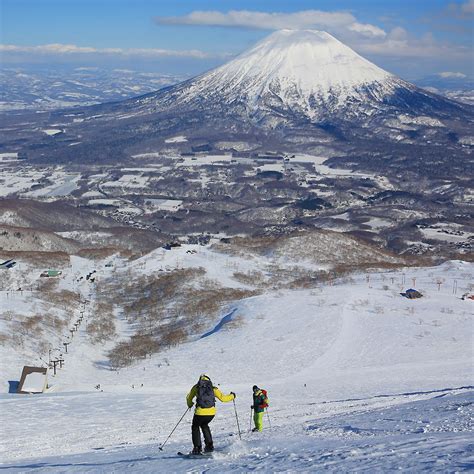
(359, 378)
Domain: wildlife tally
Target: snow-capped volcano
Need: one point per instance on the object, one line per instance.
(313, 61)
(298, 68)
(295, 75)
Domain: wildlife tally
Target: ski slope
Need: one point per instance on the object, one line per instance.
(359, 378)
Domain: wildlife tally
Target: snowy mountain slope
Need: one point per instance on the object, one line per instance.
(27, 295)
(424, 432)
(57, 216)
(339, 380)
(317, 246)
(23, 239)
(305, 75)
(28, 225)
(294, 69)
(37, 313)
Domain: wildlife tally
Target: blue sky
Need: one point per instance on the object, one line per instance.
(412, 38)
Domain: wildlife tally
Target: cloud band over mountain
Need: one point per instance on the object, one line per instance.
(275, 21)
(72, 49)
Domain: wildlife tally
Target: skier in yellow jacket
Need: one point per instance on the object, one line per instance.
(205, 411)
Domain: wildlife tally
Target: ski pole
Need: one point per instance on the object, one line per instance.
(250, 424)
(237, 418)
(181, 419)
(269, 424)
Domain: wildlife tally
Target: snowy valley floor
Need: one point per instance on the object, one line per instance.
(359, 379)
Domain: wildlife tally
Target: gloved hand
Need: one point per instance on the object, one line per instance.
(232, 393)
(192, 404)
(251, 407)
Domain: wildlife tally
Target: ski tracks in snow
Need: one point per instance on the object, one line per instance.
(431, 435)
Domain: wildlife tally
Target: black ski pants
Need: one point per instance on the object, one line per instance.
(201, 422)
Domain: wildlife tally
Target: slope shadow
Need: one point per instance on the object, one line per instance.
(42, 465)
(226, 319)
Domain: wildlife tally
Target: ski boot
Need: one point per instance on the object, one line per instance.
(209, 448)
(196, 450)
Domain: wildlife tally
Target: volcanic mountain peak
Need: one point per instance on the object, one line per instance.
(314, 61)
(299, 70)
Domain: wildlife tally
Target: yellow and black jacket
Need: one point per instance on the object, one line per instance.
(206, 411)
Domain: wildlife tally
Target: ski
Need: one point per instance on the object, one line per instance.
(194, 456)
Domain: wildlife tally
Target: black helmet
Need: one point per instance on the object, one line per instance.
(254, 388)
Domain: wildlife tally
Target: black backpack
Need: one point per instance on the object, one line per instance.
(205, 394)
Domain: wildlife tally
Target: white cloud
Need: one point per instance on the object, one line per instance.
(331, 21)
(367, 30)
(398, 34)
(413, 49)
(365, 38)
(85, 68)
(399, 44)
(451, 75)
(71, 49)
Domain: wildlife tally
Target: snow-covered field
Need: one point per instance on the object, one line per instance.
(64, 184)
(359, 379)
(128, 181)
(52, 131)
(41, 182)
(178, 139)
(5, 157)
(323, 170)
(170, 205)
(447, 232)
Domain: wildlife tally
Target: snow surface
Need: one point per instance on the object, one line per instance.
(128, 181)
(325, 171)
(6, 157)
(105, 202)
(52, 131)
(170, 205)
(359, 379)
(64, 184)
(467, 141)
(421, 120)
(417, 432)
(446, 232)
(177, 139)
(14, 180)
(301, 68)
